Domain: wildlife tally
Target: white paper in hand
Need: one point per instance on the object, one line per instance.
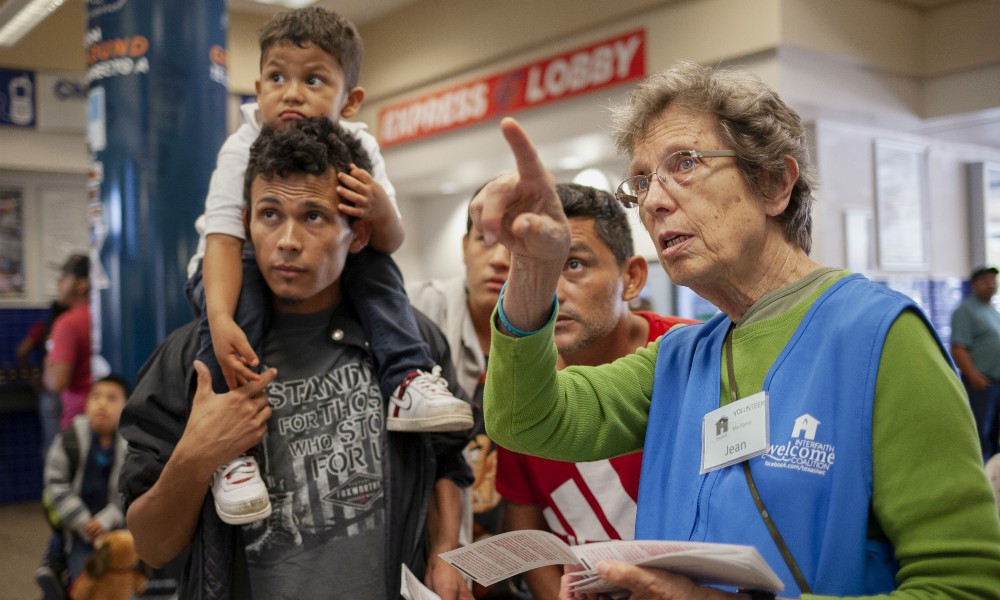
(412, 588)
(500, 556)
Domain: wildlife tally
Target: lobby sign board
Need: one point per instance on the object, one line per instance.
(597, 66)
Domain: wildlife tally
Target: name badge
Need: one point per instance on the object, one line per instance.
(735, 432)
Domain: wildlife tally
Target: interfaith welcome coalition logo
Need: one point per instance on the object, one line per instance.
(802, 452)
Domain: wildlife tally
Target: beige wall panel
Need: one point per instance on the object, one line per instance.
(961, 36)
(964, 92)
(709, 31)
(474, 38)
(873, 32)
(56, 44)
(243, 53)
(37, 151)
(471, 34)
(819, 85)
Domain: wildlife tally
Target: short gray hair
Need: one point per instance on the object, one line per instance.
(752, 120)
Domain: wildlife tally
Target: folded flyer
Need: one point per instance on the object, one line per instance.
(507, 554)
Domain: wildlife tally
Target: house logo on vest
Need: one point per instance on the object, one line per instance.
(805, 426)
(721, 427)
(802, 451)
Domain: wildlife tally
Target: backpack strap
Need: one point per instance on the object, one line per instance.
(71, 446)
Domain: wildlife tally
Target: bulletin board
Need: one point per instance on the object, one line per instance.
(12, 242)
(984, 213)
(900, 206)
(64, 221)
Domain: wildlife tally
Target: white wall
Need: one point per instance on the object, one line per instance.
(54, 220)
(845, 158)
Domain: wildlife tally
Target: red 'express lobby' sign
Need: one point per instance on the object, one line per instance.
(600, 65)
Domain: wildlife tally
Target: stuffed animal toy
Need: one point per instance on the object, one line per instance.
(112, 571)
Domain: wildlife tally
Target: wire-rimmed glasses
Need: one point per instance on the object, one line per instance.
(679, 166)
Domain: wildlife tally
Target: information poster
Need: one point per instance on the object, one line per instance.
(64, 221)
(11, 243)
(17, 98)
(899, 179)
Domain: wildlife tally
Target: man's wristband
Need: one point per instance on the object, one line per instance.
(757, 594)
(514, 330)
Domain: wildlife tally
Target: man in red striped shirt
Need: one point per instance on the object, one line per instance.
(586, 502)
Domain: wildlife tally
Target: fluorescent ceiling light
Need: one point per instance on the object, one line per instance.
(594, 178)
(20, 16)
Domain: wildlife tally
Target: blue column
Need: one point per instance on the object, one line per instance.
(156, 120)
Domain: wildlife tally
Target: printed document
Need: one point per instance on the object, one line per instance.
(501, 556)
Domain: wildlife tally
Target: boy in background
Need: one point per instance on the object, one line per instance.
(309, 67)
(81, 484)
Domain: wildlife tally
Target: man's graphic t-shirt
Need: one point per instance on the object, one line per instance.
(322, 461)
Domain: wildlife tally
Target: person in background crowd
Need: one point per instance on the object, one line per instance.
(35, 342)
(975, 346)
(593, 501)
(67, 363)
(889, 497)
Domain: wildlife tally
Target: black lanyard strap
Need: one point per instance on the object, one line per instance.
(772, 528)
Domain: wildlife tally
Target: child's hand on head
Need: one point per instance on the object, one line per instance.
(233, 351)
(366, 199)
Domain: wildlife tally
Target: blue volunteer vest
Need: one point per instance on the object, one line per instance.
(815, 479)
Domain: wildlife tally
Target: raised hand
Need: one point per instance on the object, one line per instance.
(522, 211)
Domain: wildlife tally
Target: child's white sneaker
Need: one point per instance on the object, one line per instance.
(424, 403)
(239, 492)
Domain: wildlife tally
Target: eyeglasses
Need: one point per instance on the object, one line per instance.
(678, 167)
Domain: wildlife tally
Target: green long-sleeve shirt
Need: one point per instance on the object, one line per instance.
(930, 496)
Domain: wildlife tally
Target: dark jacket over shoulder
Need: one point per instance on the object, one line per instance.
(214, 564)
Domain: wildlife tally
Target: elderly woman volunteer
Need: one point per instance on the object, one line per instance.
(817, 418)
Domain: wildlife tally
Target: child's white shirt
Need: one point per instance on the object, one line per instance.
(224, 203)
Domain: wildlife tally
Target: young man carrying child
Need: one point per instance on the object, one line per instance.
(81, 484)
(353, 502)
(310, 61)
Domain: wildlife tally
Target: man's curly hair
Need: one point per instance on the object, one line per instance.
(311, 146)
